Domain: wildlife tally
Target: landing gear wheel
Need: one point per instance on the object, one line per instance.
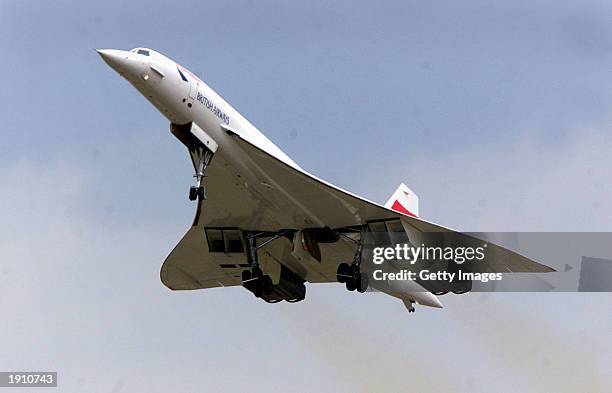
(352, 277)
(257, 275)
(362, 282)
(201, 193)
(266, 284)
(197, 193)
(342, 274)
(255, 281)
(193, 193)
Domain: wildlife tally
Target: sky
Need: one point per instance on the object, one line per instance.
(497, 114)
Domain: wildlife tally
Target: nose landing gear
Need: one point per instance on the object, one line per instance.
(201, 150)
(197, 192)
(204, 156)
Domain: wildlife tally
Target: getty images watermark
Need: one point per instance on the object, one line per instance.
(442, 262)
(408, 254)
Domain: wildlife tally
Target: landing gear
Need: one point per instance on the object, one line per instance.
(201, 150)
(290, 286)
(343, 273)
(351, 275)
(198, 191)
(362, 283)
(255, 281)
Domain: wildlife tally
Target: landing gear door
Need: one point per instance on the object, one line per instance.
(204, 138)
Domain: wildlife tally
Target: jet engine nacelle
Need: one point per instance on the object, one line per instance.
(306, 243)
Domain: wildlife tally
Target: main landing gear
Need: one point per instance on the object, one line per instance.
(201, 149)
(254, 280)
(198, 191)
(290, 286)
(351, 275)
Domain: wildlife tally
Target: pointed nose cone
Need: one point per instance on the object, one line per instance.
(118, 60)
(128, 64)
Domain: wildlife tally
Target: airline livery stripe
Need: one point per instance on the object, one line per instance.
(398, 207)
(191, 74)
(181, 74)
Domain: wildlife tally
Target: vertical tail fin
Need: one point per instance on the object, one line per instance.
(404, 200)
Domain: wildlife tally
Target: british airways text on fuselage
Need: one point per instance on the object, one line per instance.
(213, 108)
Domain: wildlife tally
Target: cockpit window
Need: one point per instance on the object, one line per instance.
(143, 52)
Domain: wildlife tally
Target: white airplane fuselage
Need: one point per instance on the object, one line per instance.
(183, 98)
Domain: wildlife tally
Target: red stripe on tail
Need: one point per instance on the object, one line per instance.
(398, 207)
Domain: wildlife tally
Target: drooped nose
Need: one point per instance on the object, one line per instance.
(123, 62)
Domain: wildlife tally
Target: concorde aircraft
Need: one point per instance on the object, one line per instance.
(263, 222)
